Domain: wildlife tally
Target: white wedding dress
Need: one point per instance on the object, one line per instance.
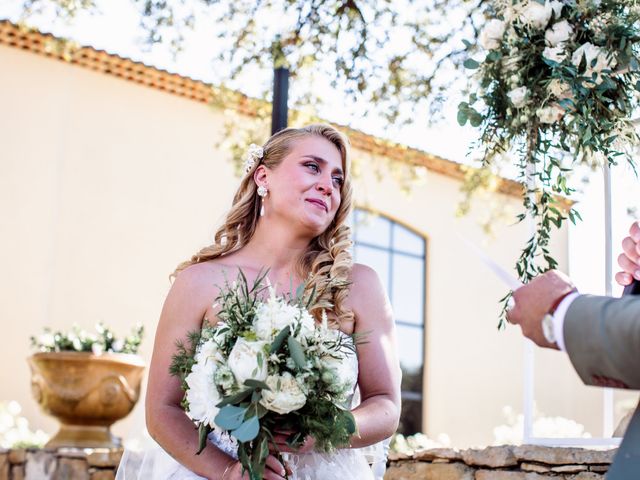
(367, 463)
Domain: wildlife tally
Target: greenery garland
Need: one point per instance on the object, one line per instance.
(557, 89)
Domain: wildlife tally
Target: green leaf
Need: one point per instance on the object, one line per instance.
(462, 117)
(248, 430)
(471, 64)
(312, 297)
(203, 431)
(637, 86)
(235, 398)
(246, 463)
(230, 417)
(467, 43)
(475, 118)
(493, 56)
(250, 382)
(277, 342)
(259, 455)
(297, 354)
(351, 423)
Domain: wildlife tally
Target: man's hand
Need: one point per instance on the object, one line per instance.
(534, 300)
(629, 259)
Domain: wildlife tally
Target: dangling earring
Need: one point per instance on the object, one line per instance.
(262, 192)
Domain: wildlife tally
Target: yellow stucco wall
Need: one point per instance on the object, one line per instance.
(106, 185)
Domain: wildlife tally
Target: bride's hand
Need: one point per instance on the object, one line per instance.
(274, 471)
(280, 440)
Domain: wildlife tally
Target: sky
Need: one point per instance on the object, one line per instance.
(116, 30)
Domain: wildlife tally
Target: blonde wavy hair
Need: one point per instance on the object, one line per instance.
(327, 262)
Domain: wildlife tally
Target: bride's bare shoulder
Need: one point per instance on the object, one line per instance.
(366, 289)
(363, 278)
(204, 278)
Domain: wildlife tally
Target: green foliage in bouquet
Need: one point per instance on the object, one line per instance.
(78, 340)
(266, 368)
(557, 87)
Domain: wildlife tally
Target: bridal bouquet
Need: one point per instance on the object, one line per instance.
(267, 367)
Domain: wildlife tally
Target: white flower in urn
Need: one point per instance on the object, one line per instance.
(555, 54)
(285, 395)
(559, 32)
(247, 360)
(47, 340)
(518, 96)
(492, 34)
(550, 114)
(97, 349)
(117, 345)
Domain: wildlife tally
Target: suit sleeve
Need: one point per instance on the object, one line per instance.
(602, 338)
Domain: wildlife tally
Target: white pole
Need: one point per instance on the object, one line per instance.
(607, 394)
(528, 392)
(528, 352)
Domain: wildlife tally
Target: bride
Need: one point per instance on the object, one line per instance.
(288, 215)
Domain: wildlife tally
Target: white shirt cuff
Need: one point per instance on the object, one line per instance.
(558, 319)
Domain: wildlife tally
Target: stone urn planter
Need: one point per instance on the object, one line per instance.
(86, 393)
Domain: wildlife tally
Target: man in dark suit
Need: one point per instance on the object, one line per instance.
(601, 335)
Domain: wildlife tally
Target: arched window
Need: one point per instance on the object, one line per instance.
(398, 255)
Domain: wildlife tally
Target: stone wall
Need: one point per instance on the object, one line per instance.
(60, 464)
(493, 463)
(526, 462)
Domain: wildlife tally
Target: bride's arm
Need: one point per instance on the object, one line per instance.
(379, 375)
(167, 423)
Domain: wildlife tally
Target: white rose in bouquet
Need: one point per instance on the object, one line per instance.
(558, 33)
(550, 114)
(202, 394)
(285, 395)
(518, 96)
(492, 34)
(536, 14)
(555, 54)
(244, 363)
